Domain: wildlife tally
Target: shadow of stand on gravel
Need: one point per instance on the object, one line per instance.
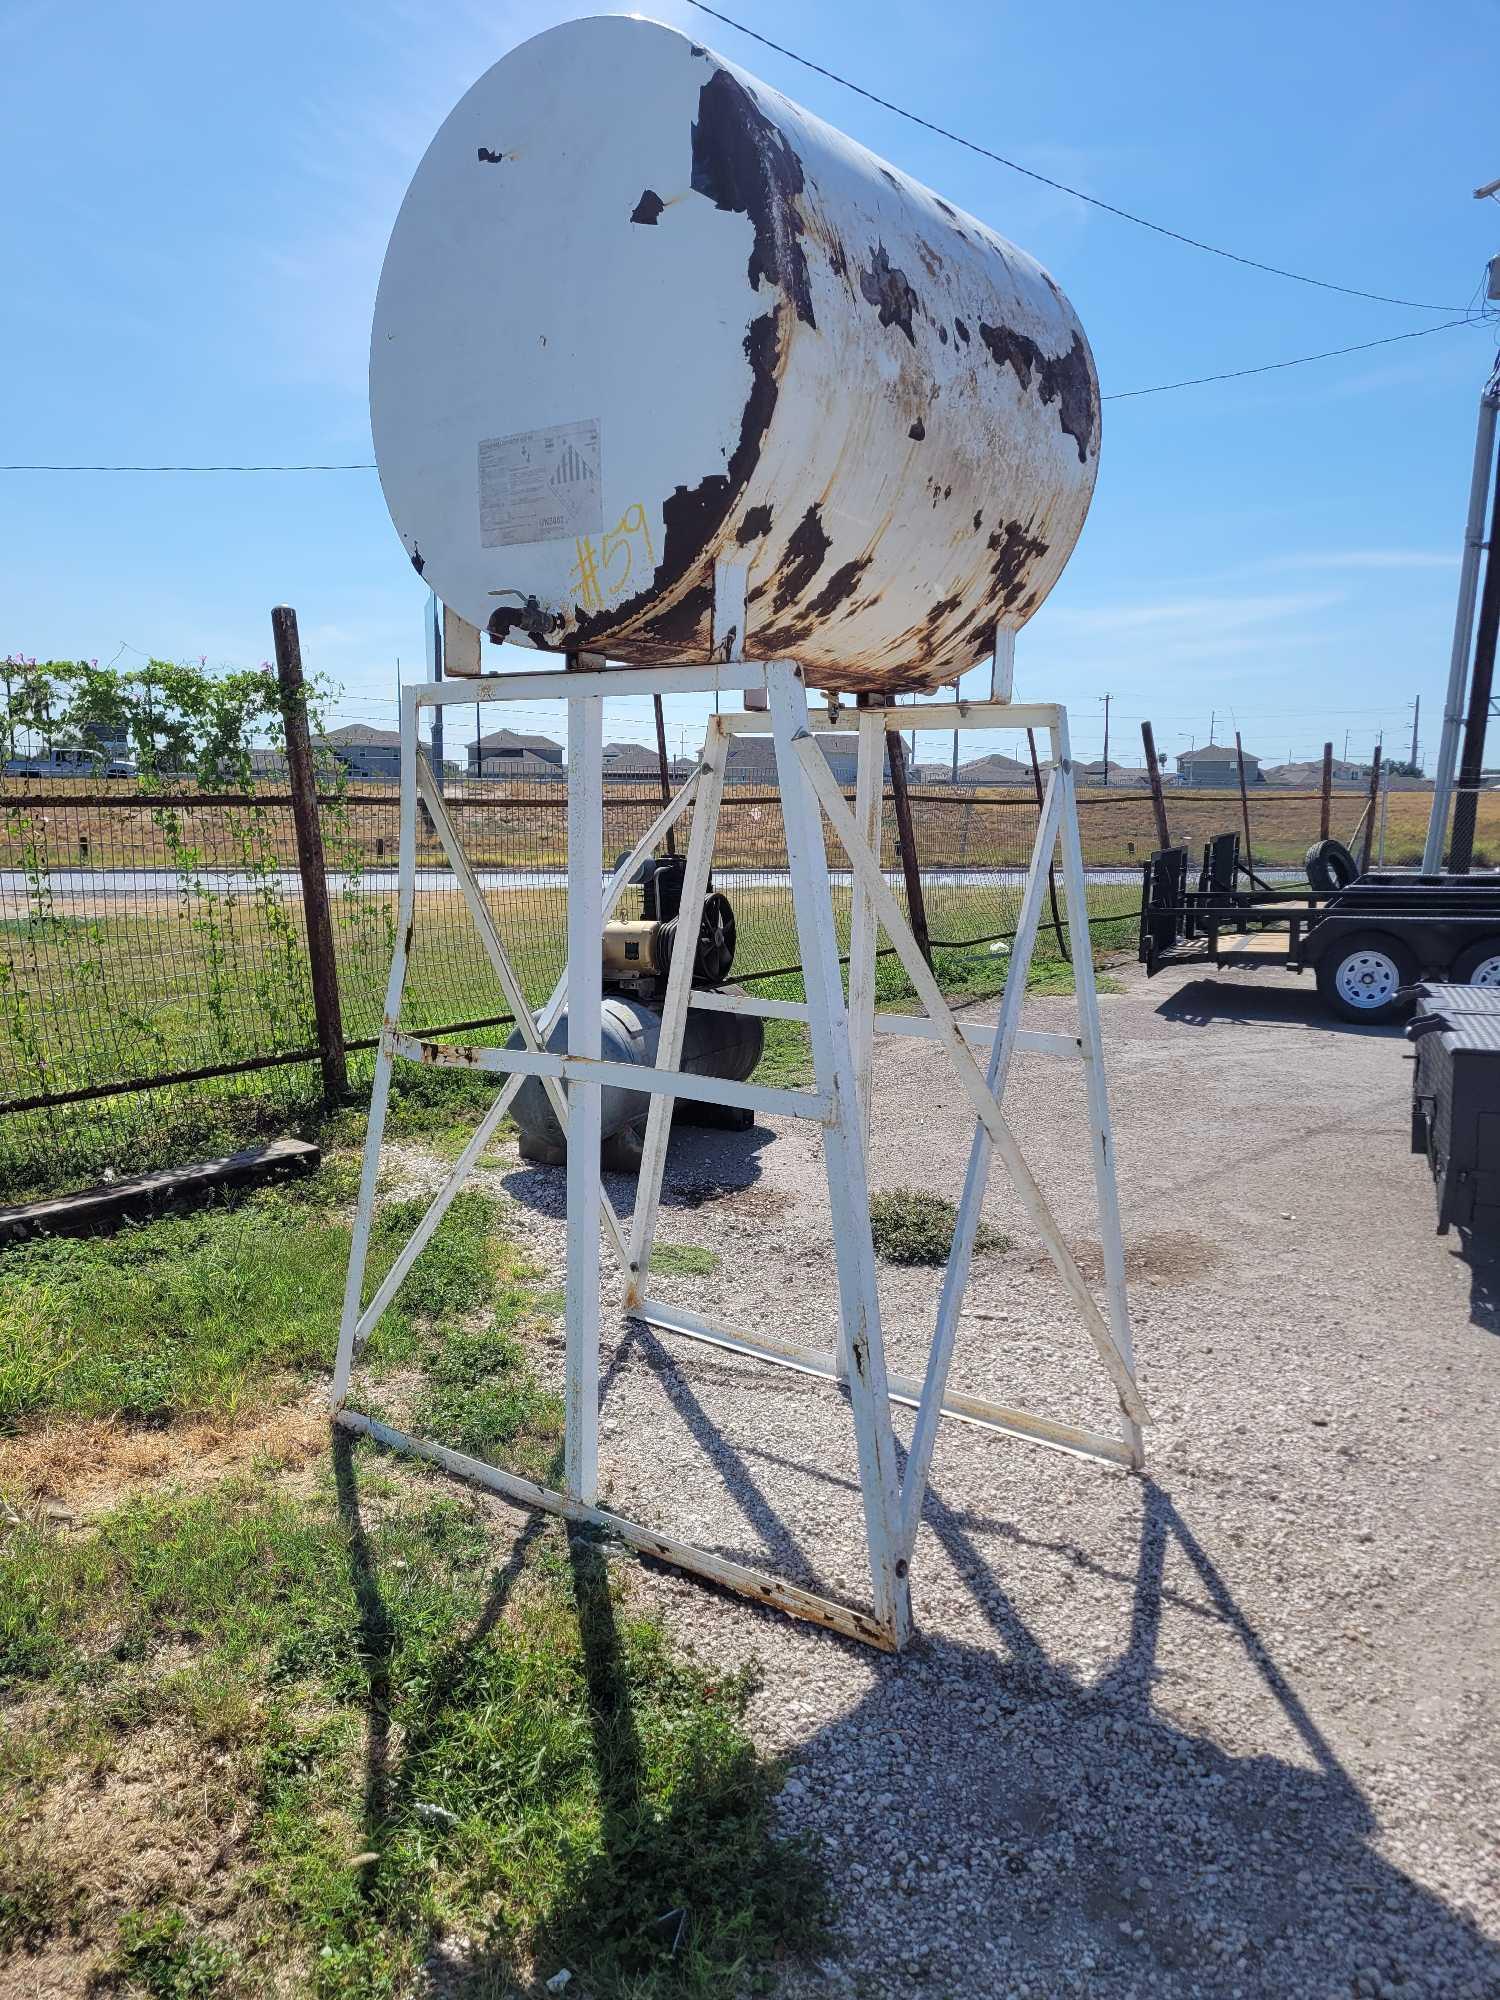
(1074, 1838)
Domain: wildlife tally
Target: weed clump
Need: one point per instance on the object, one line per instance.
(913, 1227)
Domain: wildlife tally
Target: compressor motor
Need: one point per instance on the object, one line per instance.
(638, 954)
(637, 958)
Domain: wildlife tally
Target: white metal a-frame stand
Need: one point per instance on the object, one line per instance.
(842, 1039)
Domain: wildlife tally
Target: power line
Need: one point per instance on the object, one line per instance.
(1109, 207)
(1298, 361)
(363, 467)
(1114, 396)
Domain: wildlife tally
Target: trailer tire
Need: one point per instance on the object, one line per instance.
(1330, 865)
(1479, 965)
(1366, 977)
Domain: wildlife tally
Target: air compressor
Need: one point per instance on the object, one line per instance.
(638, 955)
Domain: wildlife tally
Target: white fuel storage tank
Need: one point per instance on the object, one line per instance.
(648, 334)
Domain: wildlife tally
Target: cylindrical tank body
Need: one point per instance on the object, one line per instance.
(645, 323)
(714, 1044)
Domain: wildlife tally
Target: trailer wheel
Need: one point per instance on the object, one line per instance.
(1330, 865)
(1362, 977)
(1479, 965)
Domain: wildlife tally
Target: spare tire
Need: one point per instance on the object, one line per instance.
(1330, 865)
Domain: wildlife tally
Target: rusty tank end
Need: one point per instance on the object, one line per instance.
(642, 317)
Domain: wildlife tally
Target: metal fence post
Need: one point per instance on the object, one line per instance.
(1369, 819)
(299, 763)
(911, 868)
(1158, 797)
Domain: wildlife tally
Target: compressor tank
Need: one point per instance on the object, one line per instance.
(648, 335)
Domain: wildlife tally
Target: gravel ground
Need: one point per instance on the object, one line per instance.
(1227, 1729)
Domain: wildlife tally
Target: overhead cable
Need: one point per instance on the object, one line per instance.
(1062, 187)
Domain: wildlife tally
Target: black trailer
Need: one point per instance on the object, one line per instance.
(1367, 939)
(1455, 1102)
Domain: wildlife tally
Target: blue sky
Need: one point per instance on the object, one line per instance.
(200, 197)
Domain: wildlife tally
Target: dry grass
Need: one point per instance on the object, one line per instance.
(75, 1468)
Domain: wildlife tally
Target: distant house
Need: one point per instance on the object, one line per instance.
(267, 762)
(1307, 776)
(1213, 768)
(752, 759)
(507, 754)
(364, 751)
(631, 761)
(1119, 774)
(996, 769)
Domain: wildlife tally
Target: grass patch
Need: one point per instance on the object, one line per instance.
(203, 1314)
(402, 1725)
(912, 1227)
(162, 1953)
(684, 1260)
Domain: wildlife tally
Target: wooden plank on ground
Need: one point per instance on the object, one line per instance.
(119, 1201)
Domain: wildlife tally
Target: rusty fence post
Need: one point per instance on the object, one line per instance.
(662, 765)
(1326, 810)
(1158, 796)
(1369, 819)
(916, 902)
(1057, 923)
(299, 763)
(1239, 758)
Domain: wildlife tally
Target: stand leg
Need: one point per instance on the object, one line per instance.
(844, 1157)
(1102, 1145)
(976, 1179)
(380, 1094)
(585, 1100)
(674, 1012)
(864, 933)
(863, 928)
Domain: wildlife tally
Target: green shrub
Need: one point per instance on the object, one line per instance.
(912, 1227)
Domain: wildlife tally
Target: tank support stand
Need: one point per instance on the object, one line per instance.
(842, 1037)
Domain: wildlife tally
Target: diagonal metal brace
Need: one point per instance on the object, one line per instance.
(894, 923)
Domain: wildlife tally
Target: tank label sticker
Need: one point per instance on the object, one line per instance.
(540, 486)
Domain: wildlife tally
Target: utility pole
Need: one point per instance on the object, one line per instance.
(1466, 804)
(957, 695)
(1416, 717)
(1106, 699)
(1468, 583)
(1463, 626)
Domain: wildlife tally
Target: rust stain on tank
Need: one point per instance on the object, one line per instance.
(839, 588)
(1064, 379)
(890, 292)
(804, 557)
